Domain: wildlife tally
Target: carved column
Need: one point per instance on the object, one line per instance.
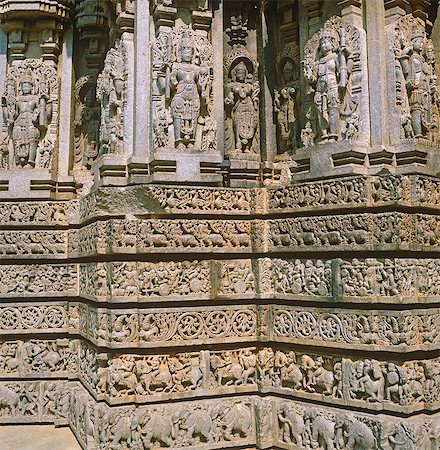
(115, 95)
(138, 164)
(36, 100)
(91, 44)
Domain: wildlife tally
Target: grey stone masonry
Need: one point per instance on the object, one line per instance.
(220, 223)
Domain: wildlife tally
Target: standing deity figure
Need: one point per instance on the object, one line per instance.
(285, 106)
(328, 75)
(110, 92)
(27, 115)
(188, 85)
(420, 85)
(242, 106)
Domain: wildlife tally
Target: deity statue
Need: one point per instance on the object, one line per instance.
(86, 122)
(328, 68)
(242, 105)
(27, 115)
(188, 86)
(110, 92)
(420, 85)
(284, 104)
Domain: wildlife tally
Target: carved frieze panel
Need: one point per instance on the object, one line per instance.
(362, 231)
(388, 280)
(30, 110)
(349, 192)
(141, 281)
(36, 358)
(368, 383)
(38, 280)
(36, 317)
(33, 244)
(297, 277)
(145, 236)
(34, 213)
(300, 425)
(388, 330)
(30, 401)
(165, 327)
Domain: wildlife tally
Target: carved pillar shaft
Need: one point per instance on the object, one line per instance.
(66, 107)
(377, 65)
(142, 69)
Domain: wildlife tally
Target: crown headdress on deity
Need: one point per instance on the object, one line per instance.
(417, 34)
(329, 33)
(27, 77)
(186, 38)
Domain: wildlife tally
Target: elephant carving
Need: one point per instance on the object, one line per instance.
(159, 428)
(292, 425)
(236, 420)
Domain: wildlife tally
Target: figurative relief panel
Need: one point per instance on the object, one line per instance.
(332, 68)
(417, 93)
(242, 91)
(285, 98)
(86, 121)
(111, 92)
(182, 91)
(29, 105)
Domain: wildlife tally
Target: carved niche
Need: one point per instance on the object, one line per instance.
(242, 91)
(86, 121)
(332, 69)
(182, 91)
(417, 94)
(111, 93)
(29, 100)
(285, 97)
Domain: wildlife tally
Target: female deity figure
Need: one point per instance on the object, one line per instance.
(285, 106)
(242, 107)
(190, 85)
(420, 85)
(27, 115)
(329, 77)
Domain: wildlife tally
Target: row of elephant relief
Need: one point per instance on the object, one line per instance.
(245, 421)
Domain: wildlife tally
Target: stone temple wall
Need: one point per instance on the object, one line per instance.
(219, 222)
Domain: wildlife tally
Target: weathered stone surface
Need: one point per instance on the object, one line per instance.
(219, 223)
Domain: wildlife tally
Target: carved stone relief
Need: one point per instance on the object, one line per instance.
(30, 104)
(242, 90)
(285, 98)
(111, 94)
(332, 68)
(417, 95)
(182, 91)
